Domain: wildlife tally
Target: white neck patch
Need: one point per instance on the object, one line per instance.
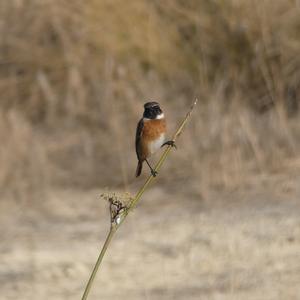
(160, 116)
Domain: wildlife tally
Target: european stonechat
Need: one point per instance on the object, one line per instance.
(150, 135)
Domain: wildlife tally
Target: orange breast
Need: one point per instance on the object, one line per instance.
(152, 130)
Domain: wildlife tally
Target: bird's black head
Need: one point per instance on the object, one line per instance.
(152, 110)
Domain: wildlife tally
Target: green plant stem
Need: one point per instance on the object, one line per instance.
(98, 262)
(133, 203)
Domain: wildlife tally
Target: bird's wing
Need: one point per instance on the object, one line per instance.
(138, 135)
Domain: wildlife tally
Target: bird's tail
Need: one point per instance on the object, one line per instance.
(139, 169)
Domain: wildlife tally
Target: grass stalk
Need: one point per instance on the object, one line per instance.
(120, 215)
(98, 262)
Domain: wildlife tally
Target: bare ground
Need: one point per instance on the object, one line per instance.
(226, 245)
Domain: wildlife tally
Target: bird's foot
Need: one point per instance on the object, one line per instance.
(170, 143)
(154, 173)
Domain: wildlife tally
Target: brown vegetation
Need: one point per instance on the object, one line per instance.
(74, 76)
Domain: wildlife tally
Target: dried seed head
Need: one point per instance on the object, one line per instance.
(117, 205)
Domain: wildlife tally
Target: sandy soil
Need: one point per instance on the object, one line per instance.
(233, 245)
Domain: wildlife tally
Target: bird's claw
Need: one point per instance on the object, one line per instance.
(170, 143)
(153, 173)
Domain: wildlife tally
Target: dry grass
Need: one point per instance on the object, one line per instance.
(234, 246)
(73, 73)
(73, 78)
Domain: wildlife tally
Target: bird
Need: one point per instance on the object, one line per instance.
(150, 135)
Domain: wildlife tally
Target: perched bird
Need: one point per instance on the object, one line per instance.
(150, 135)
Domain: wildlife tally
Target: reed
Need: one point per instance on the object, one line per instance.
(119, 211)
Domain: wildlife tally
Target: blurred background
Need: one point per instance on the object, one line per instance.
(74, 76)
